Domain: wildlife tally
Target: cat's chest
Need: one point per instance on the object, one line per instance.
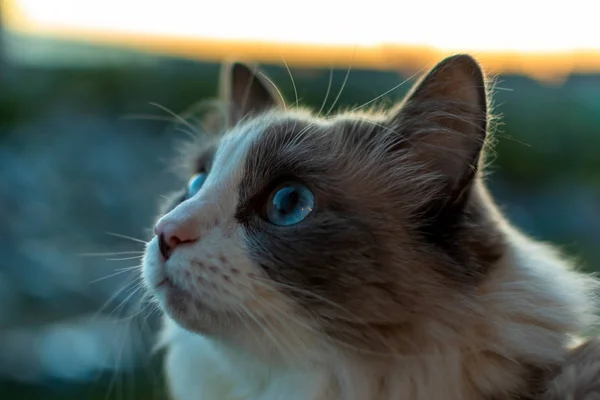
(197, 372)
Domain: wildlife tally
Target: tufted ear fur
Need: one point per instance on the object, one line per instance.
(247, 91)
(443, 121)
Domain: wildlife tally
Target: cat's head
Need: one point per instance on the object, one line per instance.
(299, 234)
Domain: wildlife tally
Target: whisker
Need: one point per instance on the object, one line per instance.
(178, 118)
(326, 338)
(118, 253)
(117, 374)
(343, 84)
(282, 348)
(375, 124)
(279, 312)
(148, 117)
(292, 79)
(120, 271)
(312, 294)
(123, 303)
(118, 380)
(390, 90)
(111, 298)
(142, 309)
(127, 237)
(135, 284)
(185, 132)
(327, 92)
(146, 331)
(354, 319)
(274, 86)
(511, 138)
(125, 258)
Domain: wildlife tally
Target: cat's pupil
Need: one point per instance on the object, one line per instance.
(285, 200)
(289, 204)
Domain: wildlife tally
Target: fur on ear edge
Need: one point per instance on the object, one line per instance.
(247, 90)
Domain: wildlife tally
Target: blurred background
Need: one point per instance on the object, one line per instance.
(88, 94)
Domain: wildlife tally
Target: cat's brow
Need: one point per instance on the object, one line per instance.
(204, 160)
(228, 159)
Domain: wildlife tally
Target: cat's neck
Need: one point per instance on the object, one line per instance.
(522, 317)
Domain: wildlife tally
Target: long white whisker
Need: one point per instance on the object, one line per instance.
(137, 288)
(178, 118)
(313, 295)
(354, 319)
(388, 91)
(149, 117)
(327, 92)
(292, 79)
(113, 297)
(267, 331)
(145, 332)
(143, 307)
(326, 338)
(343, 84)
(276, 88)
(125, 258)
(118, 272)
(118, 253)
(117, 375)
(278, 313)
(127, 237)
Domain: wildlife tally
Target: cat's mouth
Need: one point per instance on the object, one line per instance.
(166, 286)
(165, 282)
(189, 311)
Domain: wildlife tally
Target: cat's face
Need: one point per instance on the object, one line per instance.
(303, 233)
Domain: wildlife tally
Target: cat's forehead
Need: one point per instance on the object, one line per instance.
(259, 143)
(256, 152)
(280, 133)
(226, 159)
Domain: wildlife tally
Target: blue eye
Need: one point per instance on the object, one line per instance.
(195, 183)
(289, 204)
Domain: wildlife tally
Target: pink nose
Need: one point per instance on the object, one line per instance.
(172, 233)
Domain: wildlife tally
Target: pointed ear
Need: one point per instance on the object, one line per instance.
(443, 121)
(247, 91)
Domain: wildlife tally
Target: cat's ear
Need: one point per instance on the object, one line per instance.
(247, 91)
(443, 121)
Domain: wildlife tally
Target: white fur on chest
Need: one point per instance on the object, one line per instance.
(198, 369)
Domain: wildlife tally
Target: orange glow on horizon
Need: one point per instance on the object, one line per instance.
(380, 50)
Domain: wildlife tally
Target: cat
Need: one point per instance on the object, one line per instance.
(578, 376)
(357, 257)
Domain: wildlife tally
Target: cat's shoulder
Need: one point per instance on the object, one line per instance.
(579, 376)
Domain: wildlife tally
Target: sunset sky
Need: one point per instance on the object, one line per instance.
(311, 31)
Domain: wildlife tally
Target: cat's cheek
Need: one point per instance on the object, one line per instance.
(153, 272)
(211, 283)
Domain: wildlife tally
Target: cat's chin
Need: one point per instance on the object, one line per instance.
(189, 312)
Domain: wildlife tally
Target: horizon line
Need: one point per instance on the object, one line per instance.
(549, 66)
